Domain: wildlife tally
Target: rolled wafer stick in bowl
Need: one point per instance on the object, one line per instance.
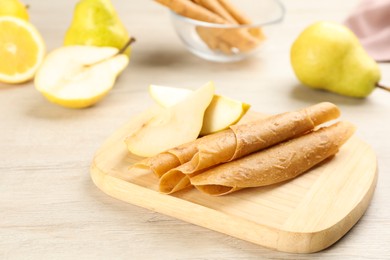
(222, 30)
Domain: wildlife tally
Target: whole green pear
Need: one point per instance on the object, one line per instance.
(329, 56)
(96, 23)
(13, 8)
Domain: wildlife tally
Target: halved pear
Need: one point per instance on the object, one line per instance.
(168, 127)
(220, 114)
(79, 76)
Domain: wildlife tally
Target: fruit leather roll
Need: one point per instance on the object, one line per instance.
(172, 158)
(243, 139)
(277, 164)
(173, 166)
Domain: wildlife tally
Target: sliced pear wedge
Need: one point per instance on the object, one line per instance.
(79, 76)
(167, 127)
(168, 96)
(220, 114)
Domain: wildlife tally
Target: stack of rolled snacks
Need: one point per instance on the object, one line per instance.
(258, 153)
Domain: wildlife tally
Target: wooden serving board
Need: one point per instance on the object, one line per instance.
(304, 215)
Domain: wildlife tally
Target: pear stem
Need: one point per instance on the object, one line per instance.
(378, 85)
(121, 51)
(124, 48)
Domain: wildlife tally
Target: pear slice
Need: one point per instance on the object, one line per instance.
(221, 113)
(79, 76)
(168, 127)
(168, 96)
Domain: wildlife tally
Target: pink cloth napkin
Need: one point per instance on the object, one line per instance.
(370, 21)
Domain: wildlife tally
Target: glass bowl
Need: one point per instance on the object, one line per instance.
(229, 42)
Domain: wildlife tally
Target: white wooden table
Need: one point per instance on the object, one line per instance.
(49, 207)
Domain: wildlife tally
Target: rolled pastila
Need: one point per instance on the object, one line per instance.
(243, 139)
(215, 7)
(276, 164)
(163, 162)
(241, 18)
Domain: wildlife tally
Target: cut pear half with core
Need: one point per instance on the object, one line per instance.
(220, 114)
(79, 76)
(161, 128)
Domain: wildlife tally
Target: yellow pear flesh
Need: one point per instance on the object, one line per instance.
(222, 113)
(168, 96)
(167, 127)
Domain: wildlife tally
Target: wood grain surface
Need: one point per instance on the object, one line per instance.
(49, 206)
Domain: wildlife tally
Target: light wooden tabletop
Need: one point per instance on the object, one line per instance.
(49, 207)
